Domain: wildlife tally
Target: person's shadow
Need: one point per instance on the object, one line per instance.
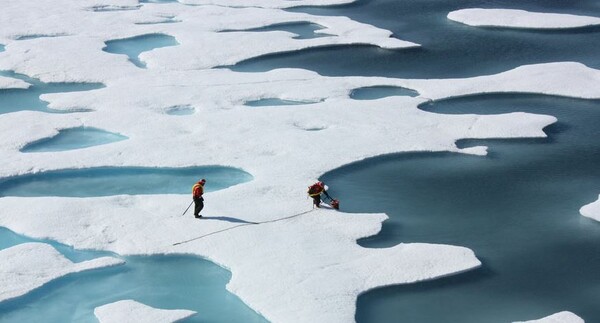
(226, 218)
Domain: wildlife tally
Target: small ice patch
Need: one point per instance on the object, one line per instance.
(562, 317)
(126, 311)
(591, 210)
(512, 18)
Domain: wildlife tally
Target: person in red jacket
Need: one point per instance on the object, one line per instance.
(197, 191)
(315, 191)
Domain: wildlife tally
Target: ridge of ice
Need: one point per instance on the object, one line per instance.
(514, 18)
(28, 266)
(591, 210)
(131, 311)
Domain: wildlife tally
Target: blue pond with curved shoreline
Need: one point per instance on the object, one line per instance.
(134, 46)
(165, 282)
(108, 181)
(73, 138)
(13, 100)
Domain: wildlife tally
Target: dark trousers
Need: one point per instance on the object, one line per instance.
(198, 205)
(317, 200)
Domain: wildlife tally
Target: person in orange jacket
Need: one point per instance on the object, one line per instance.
(197, 191)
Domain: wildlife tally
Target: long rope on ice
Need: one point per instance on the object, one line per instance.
(243, 224)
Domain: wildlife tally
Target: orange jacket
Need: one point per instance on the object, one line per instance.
(197, 190)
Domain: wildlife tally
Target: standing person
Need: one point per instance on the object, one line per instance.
(315, 191)
(197, 191)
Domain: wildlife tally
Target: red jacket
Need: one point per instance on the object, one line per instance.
(315, 189)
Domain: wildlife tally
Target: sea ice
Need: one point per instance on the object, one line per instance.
(513, 18)
(28, 266)
(305, 268)
(562, 317)
(591, 210)
(7, 83)
(130, 311)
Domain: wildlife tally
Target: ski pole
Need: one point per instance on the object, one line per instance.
(188, 207)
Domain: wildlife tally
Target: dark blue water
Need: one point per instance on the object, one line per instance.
(1, 48)
(378, 92)
(73, 138)
(517, 209)
(166, 282)
(302, 30)
(134, 46)
(107, 181)
(449, 49)
(12, 100)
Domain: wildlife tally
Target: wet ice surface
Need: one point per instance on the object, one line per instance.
(321, 270)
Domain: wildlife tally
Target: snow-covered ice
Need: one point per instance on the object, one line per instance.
(561, 317)
(315, 269)
(12, 83)
(28, 266)
(130, 311)
(591, 210)
(513, 18)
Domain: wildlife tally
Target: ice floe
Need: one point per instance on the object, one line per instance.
(302, 268)
(591, 210)
(562, 317)
(513, 18)
(12, 83)
(131, 311)
(28, 266)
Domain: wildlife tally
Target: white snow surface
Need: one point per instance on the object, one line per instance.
(130, 311)
(591, 210)
(514, 18)
(561, 317)
(28, 266)
(307, 268)
(12, 83)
